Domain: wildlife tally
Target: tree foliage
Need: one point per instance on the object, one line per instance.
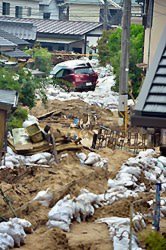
(42, 58)
(103, 49)
(22, 81)
(113, 44)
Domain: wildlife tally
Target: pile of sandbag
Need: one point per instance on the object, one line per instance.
(119, 229)
(93, 160)
(14, 160)
(13, 233)
(80, 208)
(127, 181)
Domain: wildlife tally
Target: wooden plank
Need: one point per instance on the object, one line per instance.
(69, 146)
(55, 112)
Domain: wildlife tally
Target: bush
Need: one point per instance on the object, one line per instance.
(17, 118)
(42, 58)
(152, 240)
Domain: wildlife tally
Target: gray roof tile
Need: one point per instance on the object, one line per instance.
(51, 26)
(6, 43)
(16, 54)
(8, 97)
(12, 38)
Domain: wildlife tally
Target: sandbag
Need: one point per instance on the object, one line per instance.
(6, 241)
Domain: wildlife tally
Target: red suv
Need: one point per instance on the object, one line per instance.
(77, 72)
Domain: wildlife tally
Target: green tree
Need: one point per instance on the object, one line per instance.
(42, 58)
(136, 51)
(22, 81)
(103, 49)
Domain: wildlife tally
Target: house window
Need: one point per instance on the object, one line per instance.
(6, 9)
(18, 12)
(46, 15)
(29, 11)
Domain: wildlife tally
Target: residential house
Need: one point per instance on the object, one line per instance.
(55, 35)
(19, 8)
(93, 11)
(155, 23)
(150, 110)
(49, 9)
(136, 10)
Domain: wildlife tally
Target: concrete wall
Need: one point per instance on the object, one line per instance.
(158, 25)
(84, 12)
(33, 4)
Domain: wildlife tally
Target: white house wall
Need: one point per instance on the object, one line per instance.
(158, 25)
(34, 5)
(79, 12)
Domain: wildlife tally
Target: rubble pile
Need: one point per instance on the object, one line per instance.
(13, 233)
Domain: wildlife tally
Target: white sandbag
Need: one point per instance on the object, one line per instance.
(92, 158)
(82, 157)
(12, 159)
(162, 159)
(146, 153)
(60, 224)
(16, 231)
(27, 226)
(46, 155)
(63, 211)
(9, 164)
(136, 171)
(10, 151)
(150, 176)
(6, 241)
(44, 197)
(42, 162)
(31, 120)
(103, 163)
(83, 210)
(138, 222)
(36, 157)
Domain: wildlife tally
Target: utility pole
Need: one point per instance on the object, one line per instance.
(124, 67)
(105, 22)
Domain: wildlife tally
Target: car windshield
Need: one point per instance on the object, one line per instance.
(55, 69)
(84, 70)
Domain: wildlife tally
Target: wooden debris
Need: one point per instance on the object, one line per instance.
(55, 112)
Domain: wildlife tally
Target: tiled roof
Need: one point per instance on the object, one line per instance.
(12, 38)
(17, 27)
(16, 54)
(54, 26)
(6, 43)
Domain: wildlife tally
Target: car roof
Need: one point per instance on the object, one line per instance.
(73, 63)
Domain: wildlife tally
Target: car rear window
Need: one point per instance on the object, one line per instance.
(83, 71)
